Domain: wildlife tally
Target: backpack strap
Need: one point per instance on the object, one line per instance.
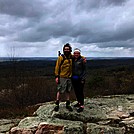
(63, 56)
(61, 63)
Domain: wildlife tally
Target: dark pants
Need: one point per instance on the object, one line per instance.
(78, 89)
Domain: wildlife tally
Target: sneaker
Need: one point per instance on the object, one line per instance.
(69, 108)
(77, 105)
(80, 109)
(56, 109)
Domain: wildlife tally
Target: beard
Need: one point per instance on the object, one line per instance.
(66, 53)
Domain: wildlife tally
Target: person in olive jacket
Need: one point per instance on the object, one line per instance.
(78, 78)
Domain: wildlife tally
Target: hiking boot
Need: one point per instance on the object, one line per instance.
(57, 106)
(56, 109)
(80, 109)
(68, 106)
(77, 105)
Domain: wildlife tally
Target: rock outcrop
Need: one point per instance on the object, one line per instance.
(7, 124)
(104, 115)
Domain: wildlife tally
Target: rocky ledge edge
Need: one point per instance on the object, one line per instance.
(103, 115)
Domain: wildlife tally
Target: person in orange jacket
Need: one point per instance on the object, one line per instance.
(63, 74)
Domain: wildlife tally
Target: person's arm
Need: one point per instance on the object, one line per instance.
(57, 67)
(83, 76)
(84, 59)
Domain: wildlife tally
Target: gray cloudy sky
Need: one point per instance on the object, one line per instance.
(41, 27)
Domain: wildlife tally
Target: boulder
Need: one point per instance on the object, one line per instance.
(107, 114)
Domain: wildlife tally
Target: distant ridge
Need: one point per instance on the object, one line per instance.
(2, 59)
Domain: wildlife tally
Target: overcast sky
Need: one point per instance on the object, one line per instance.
(100, 28)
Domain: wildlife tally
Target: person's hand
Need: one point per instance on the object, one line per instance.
(84, 60)
(82, 81)
(57, 80)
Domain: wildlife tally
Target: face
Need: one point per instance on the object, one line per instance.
(66, 50)
(76, 54)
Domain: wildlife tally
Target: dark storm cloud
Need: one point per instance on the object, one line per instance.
(43, 30)
(112, 44)
(20, 8)
(122, 33)
(115, 2)
(89, 5)
(54, 23)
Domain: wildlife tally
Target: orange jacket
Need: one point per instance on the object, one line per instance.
(64, 70)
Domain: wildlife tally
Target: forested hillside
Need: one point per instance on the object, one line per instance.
(24, 83)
